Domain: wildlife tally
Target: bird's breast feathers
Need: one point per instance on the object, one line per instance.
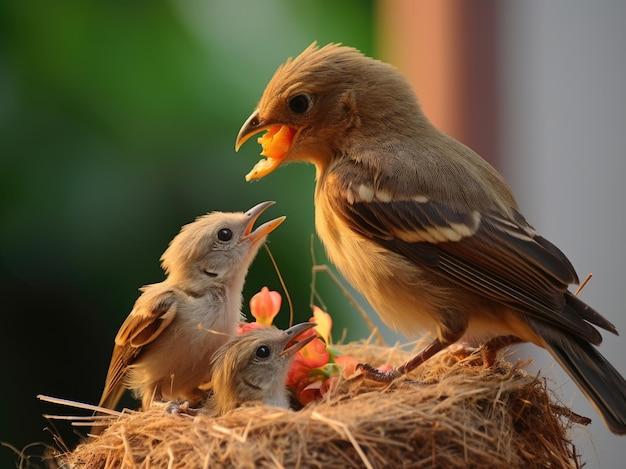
(374, 271)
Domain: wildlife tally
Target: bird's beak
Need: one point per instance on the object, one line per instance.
(266, 228)
(252, 126)
(276, 143)
(292, 345)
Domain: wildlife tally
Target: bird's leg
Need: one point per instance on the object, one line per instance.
(373, 374)
(452, 327)
(490, 349)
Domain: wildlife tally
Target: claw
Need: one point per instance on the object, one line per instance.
(180, 408)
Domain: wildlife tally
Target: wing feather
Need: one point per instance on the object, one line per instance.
(151, 315)
(498, 255)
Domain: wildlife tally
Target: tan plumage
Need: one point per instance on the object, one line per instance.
(421, 225)
(164, 347)
(253, 368)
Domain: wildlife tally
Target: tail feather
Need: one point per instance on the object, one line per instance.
(593, 374)
(588, 313)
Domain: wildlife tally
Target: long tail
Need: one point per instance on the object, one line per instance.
(593, 374)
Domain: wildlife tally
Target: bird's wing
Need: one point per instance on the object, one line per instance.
(499, 256)
(150, 316)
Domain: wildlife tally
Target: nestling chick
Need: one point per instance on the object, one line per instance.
(421, 225)
(164, 348)
(253, 368)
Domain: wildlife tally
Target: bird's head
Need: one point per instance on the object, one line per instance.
(254, 366)
(218, 247)
(314, 102)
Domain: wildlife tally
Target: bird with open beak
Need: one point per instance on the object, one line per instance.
(253, 368)
(164, 348)
(421, 225)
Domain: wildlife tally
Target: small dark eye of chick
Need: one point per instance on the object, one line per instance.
(224, 234)
(300, 103)
(263, 351)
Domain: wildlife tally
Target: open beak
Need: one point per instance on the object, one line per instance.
(276, 144)
(266, 228)
(292, 345)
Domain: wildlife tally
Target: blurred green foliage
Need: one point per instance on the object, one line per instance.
(117, 125)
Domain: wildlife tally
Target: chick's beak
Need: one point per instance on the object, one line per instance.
(292, 345)
(266, 228)
(276, 143)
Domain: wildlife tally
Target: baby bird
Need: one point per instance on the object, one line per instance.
(164, 348)
(253, 368)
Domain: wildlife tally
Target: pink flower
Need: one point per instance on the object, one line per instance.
(310, 392)
(265, 306)
(347, 364)
(328, 385)
(314, 354)
(245, 327)
(298, 373)
(304, 378)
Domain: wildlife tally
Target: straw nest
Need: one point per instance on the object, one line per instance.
(452, 412)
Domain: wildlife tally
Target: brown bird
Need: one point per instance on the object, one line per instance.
(163, 349)
(421, 225)
(253, 368)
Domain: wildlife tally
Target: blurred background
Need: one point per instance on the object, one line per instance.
(117, 125)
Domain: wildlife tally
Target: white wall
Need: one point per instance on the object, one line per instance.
(564, 122)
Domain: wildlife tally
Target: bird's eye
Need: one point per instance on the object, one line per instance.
(300, 103)
(224, 234)
(263, 351)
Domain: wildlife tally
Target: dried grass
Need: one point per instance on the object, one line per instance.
(458, 415)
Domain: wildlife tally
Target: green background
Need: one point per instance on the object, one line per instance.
(117, 125)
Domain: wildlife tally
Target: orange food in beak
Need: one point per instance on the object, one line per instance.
(276, 143)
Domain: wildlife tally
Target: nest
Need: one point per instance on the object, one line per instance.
(451, 412)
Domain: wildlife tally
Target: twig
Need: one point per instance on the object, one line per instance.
(314, 292)
(346, 293)
(22, 455)
(282, 283)
(584, 284)
(315, 269)
(78, 417)
(92, 424)
(78, 405)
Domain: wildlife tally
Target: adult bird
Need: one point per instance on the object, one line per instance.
(163, 349)
(420, 224)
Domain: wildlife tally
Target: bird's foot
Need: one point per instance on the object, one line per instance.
(462, 351)
(374, 374)
(489, 350)
(475, 356)
(488, 357)
(180, 408)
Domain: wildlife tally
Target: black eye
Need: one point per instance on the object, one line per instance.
(263, 351)
(224, 234)
(300, 103)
